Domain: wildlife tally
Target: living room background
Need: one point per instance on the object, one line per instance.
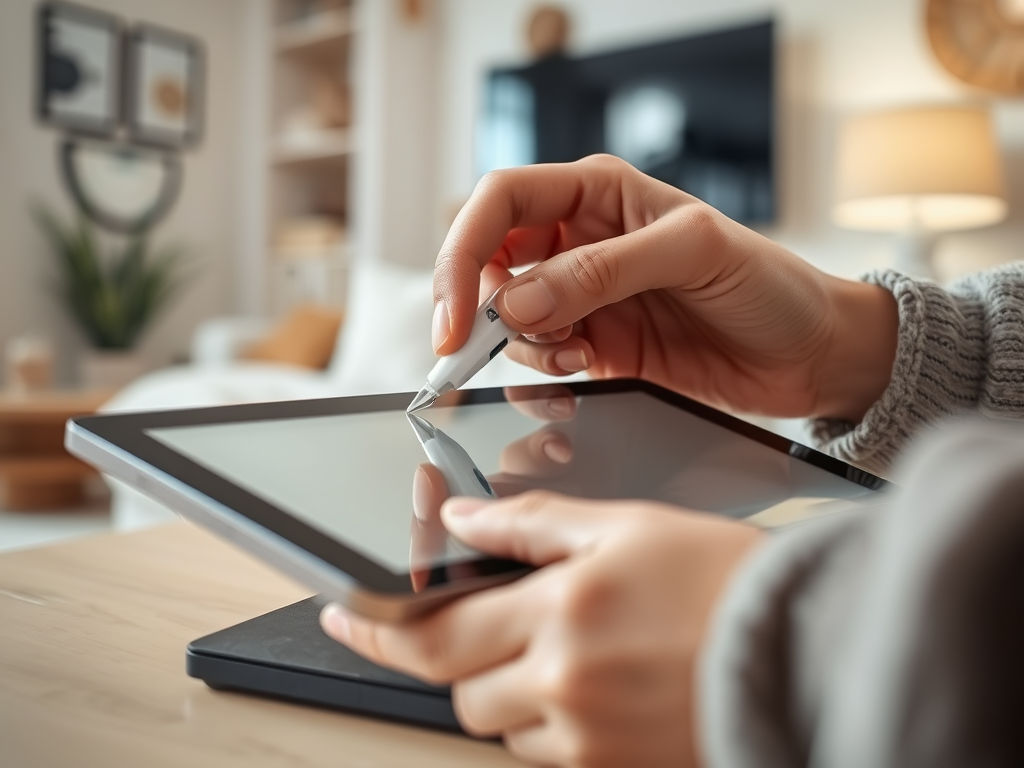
(417, 107)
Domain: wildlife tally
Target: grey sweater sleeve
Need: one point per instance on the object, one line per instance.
(884, 638)
(959, 350)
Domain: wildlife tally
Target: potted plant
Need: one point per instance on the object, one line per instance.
(114, 292)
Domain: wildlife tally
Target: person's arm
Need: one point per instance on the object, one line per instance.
(887, 638)
(959, 350)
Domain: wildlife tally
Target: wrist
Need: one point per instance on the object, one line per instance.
(857, 365)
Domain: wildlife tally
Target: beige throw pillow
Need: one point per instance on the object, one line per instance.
(304, 338)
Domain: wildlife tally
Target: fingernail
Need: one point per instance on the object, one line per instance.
(571, 360)
(557, 451)
(335, 622)
(560, 407)
(529, 302)
(441, 327)
(420, 493)
(462, 506)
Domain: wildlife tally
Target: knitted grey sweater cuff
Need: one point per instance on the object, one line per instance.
(959, 350)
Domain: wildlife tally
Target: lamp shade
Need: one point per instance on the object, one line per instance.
(922, 169)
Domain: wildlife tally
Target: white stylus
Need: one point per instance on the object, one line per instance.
(488, 337)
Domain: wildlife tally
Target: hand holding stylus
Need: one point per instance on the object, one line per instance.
(635, 278)
(488, 336)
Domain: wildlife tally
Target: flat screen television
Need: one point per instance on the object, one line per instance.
(696, 112)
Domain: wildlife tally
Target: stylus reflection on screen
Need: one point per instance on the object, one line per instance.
(453, 472)
(459, 470)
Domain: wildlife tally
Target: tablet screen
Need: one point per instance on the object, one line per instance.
(351, 476)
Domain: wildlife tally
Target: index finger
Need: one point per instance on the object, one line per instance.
(515, 213)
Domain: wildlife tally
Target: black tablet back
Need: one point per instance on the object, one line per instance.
(285, 654)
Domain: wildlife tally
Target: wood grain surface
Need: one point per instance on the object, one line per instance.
(92, 666)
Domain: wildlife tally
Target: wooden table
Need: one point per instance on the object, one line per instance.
(92, 666)
(35, 470)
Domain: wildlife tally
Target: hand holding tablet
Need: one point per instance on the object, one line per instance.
(597, 647)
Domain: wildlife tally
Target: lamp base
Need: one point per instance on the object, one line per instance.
(916, 250)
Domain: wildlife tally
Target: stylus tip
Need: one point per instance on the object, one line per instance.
(424, 429)
(423, 398)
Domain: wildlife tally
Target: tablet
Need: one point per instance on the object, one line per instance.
(344, 493)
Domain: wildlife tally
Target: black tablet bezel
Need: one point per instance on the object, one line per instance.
(128, 431)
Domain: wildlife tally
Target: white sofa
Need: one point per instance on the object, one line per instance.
(384, 346)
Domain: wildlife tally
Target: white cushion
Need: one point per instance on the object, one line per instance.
(385, 344)
(242, 382)
(220, 341)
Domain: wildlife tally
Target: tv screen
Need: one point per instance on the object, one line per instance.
(695, 112)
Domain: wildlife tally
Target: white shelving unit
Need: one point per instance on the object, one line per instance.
(309, 151)
(318, 33)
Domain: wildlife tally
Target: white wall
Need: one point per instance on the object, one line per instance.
(207, 218)
(836, 56)
(396, 66)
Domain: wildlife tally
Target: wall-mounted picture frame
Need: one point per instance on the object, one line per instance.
(165, 89)
(78, 68)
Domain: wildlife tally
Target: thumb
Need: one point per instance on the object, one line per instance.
(537, 527)
(566, 288)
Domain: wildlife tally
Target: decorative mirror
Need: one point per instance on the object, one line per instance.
(120, 187)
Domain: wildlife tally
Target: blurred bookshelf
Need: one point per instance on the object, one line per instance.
(320, 32)
(310, 151)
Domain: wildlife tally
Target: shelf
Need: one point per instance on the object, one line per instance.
(326, 145)
(328, 29)
(337, 257)
(309, 145)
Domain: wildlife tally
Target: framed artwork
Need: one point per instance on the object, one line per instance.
(165, 87)
(78, 68)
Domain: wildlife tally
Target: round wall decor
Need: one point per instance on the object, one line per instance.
(980, 42)
(120, 187)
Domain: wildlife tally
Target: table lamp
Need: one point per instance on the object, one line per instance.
(918, 172)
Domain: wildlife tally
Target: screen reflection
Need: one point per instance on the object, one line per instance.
(451, 471)
(351, 475)
(616, 447)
